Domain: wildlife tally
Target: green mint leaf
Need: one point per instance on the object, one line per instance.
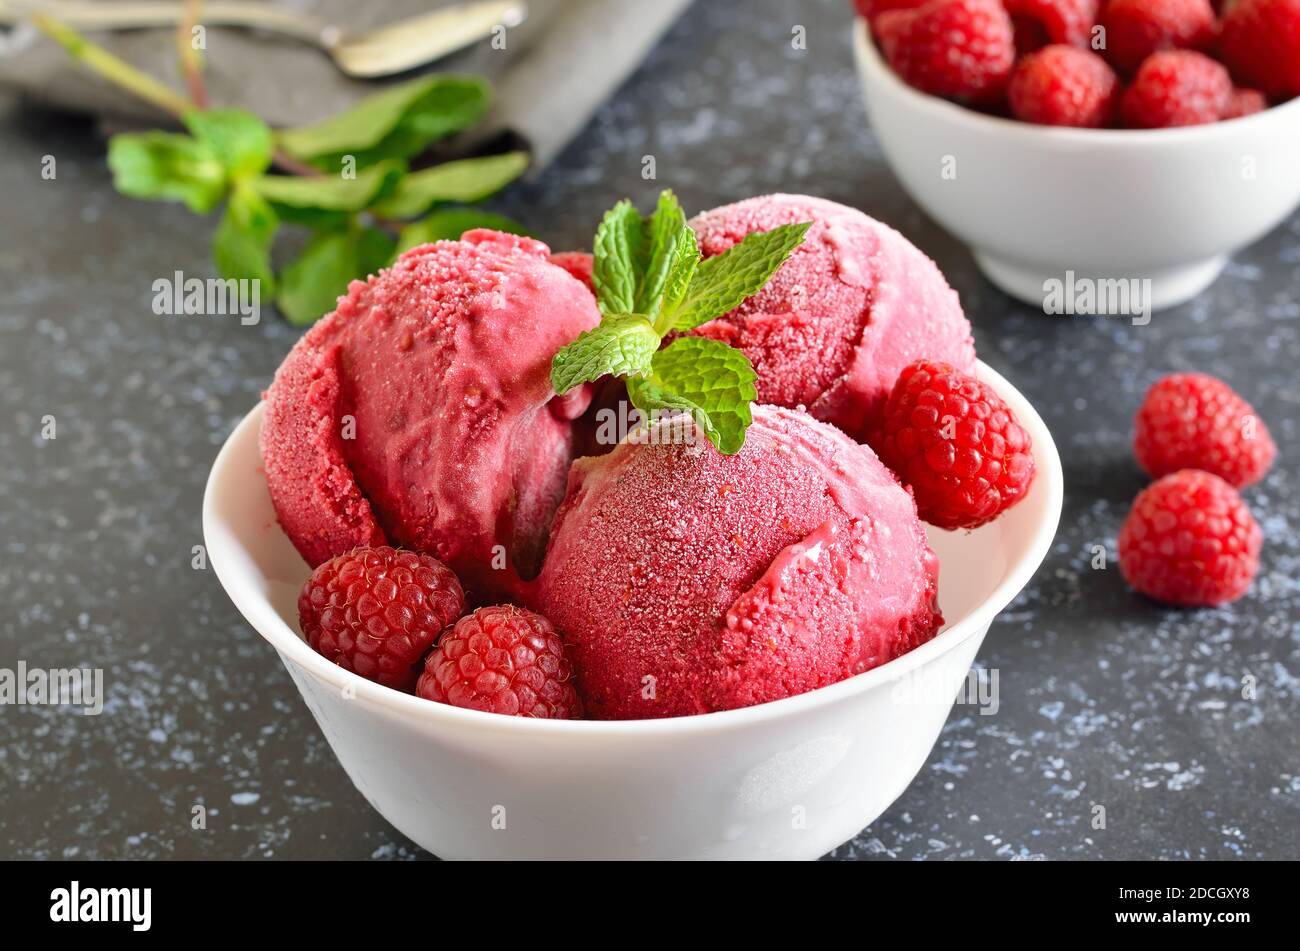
(685, 261)
(707, 378)
(399, 122)
(311, 285)
(666, 231)
(722, 283)
(241, 141)
(623, 345)
(328, 200)
(637, 261)
(649, 280)
(241, 246)
(168, 167)
(448, 224)
(467, 181)
(618, 258)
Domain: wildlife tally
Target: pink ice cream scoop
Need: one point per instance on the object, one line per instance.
(850, 308)
(420, 412)
(686, 581)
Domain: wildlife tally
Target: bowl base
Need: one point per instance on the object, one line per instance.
(1044, 288)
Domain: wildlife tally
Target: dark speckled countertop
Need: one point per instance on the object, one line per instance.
(1105, 699)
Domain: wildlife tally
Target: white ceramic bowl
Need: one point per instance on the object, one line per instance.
(789, 779)
(1034, 202)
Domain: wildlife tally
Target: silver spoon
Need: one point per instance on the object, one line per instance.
(380, 52)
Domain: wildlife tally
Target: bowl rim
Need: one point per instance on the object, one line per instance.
(259, 612)
(870, 61)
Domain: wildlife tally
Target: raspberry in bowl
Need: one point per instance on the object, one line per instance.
(1066, 195)
(723, 628)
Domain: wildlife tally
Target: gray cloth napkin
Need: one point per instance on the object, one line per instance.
(556, 69)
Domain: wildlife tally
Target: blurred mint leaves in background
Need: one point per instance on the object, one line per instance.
(354, 188)
(396, 123)
(346, 178)
(651, 283)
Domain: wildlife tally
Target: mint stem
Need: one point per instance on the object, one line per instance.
(101, 61)
(287, 163)
(190, 60)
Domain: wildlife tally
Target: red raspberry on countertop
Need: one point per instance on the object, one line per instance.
(956, 444)
(1137, 28)
(1055, 21)
(1260, 42)
(1176, 88)
(1245, 102)
(1190, 540)
(1063, 85)
(1195, 421)
(376, 611)
(502, 660)
(960, 49)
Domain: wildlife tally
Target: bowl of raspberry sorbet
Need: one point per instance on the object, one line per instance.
(786, 779)
(1071, 143)
(525, 639)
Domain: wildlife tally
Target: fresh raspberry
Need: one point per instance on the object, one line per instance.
(376, 611)
(1260, 42)
(1176, 88)
(957, 445)
(1137, 28)
(1190, 540)
(1063, 85)
(961, 49)
(1194, 421)
(502, 660)
(577, 263)
(1245, 102)
(1056, 21)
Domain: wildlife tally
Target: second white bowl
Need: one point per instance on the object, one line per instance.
(1036, 203)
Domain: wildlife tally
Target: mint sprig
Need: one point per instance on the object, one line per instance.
(651, 281)
(348, 177)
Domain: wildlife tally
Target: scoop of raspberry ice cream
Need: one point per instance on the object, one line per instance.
(420, 412)
(685, 581)
(836, 324)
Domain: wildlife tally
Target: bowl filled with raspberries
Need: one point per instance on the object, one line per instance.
(1107, 144)
(681, 549)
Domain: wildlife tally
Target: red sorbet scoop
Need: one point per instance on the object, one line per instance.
(685, 581)
(417, 413)
(836, 324)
